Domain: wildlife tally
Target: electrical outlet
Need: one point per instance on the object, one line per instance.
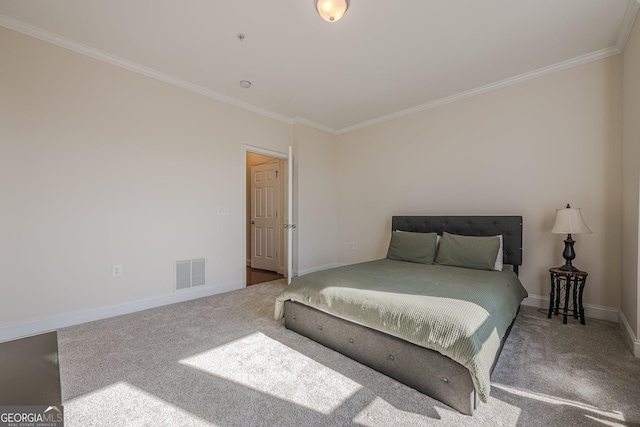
(352, 246)
(116, 270)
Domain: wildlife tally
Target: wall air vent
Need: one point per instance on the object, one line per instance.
(197, 272)
(189, 273)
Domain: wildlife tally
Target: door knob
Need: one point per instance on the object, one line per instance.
(252, 222)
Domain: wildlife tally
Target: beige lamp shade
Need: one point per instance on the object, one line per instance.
(569, 221)
(331, 10)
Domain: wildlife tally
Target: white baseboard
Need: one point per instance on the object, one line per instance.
(632, 341)
(318, 268)
(600, 313)
(18, 330)
(593, 311)
(24, 329)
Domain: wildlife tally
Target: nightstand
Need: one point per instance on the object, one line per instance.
(572, 282)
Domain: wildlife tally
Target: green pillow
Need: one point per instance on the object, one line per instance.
(468, 251)
(412, 247)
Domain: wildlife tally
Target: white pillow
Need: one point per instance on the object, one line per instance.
(498, 265)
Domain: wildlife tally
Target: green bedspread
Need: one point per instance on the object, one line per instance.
(459, 312)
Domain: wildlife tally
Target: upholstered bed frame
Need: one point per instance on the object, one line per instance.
(425, 370)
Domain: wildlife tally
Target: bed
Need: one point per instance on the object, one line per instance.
(431, 315)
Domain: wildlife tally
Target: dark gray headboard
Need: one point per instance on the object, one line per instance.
(509, 226)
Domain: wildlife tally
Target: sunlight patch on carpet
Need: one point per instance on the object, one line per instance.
(263, 364)
(376, 412)
(122, 404)
(613, 416)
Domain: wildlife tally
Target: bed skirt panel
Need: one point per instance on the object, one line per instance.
(423, 369)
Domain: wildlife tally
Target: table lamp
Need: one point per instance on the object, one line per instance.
(569, 221)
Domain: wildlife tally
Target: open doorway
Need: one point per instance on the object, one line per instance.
(265, 217)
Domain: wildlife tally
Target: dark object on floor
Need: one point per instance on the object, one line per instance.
(29, 371)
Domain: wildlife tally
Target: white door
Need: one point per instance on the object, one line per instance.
(264, 216)
(290, 226)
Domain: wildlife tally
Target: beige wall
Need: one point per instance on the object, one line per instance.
(525, 149)
(630, 300)
(103, 166)
(317, 219)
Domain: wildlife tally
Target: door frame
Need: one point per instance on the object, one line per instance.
(265, 152)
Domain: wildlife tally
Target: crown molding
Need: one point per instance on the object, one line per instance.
(74, 46)
(628, 21)
(594, 56)
(306, 122)
(627, 24)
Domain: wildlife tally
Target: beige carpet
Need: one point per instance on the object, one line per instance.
(224, 361)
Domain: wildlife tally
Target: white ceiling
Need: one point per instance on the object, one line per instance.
(382, 60)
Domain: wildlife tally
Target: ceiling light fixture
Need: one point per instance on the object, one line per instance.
(331, 10)
(245, 84)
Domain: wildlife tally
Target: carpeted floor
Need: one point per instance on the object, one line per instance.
(224, 361)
